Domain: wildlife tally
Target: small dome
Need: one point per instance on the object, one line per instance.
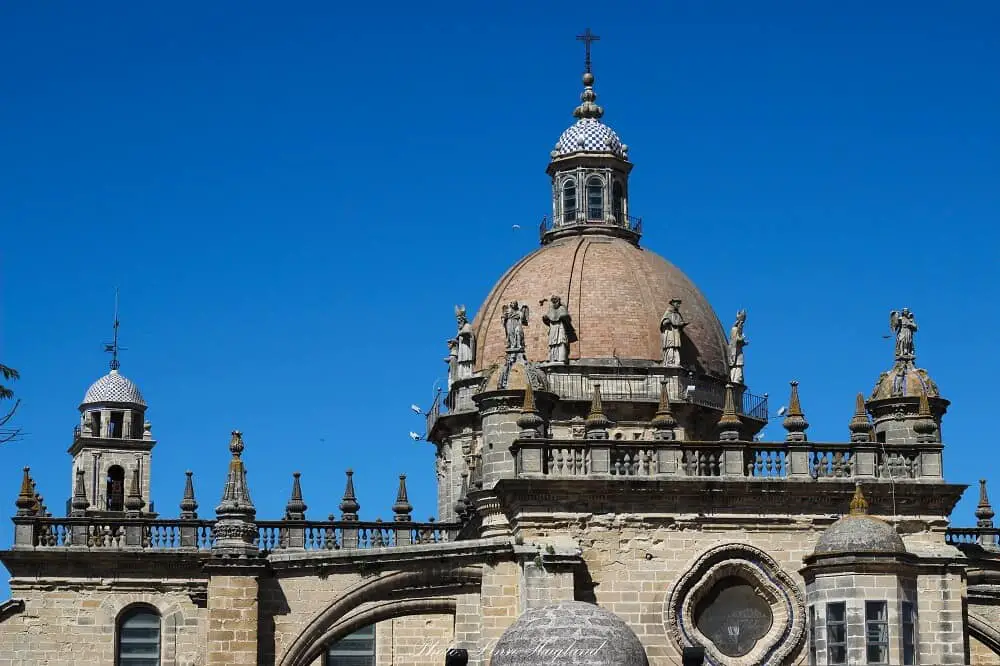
(592, 136)
(569, 632)
(904, 380)
(859, 534)
(113, 387)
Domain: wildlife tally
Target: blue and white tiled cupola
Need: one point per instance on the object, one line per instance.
(589, 171)
(112, 446)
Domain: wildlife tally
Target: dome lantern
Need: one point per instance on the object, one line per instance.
(589, 171)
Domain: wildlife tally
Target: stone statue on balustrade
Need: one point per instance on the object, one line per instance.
(452, 360)
(737, 341)
(514, 317)
(671, 325)
(561, 331)
(903, 325)
(466, 340)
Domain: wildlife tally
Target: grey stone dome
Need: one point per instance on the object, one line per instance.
(592, 136)
(113, 387)
(569, 632)
(859, 534)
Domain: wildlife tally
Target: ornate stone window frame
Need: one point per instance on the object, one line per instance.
(761, 571)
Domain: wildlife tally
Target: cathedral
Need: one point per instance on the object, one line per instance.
(604, 498)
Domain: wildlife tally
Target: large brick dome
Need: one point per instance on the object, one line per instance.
(616, 293)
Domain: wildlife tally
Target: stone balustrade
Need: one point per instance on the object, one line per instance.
(339, 534)
(985, 537)
(536, 458)
(93, 532)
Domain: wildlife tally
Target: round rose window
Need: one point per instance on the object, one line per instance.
(733, 616)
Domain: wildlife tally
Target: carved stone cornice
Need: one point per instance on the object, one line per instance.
(720, 496)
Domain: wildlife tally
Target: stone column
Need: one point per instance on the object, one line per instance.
(468, 626)
(233, 612)
(498, 606)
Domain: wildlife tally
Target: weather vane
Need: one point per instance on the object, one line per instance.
(113, 347)
(588, 38)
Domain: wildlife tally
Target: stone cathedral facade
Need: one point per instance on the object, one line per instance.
(603, 498)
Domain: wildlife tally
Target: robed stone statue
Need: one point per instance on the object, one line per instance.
(452, 360)
(904, 326)
(737, 341)
(561, 332)
(671, 325)
(514, 317)
(466, 339)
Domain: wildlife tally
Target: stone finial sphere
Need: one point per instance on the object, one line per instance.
(569, 632)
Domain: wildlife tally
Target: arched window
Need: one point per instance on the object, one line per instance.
(569, 201)
(116, 488)
(595, 199)
(357, 649)
(618, 202)
(139, 637)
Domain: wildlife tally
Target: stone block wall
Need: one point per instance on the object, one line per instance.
(499, 606)
(499, 432)
(414, 640)
(232, 620)
(940, 618)
(634, 562)
(287, 605)
(85, 461)
(981, 655)
(69, 623)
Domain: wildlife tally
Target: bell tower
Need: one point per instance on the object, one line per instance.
(112, 446)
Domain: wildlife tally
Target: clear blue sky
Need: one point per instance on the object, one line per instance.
(293, 197)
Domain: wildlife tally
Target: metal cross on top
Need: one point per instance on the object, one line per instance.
(588, 38)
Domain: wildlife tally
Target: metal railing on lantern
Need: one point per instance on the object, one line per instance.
(768, 461)
(646, 388)
(433, 414)
(582, 218)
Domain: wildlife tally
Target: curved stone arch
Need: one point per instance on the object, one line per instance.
(758, 568)
(171, 618)
(984, 632)
(386, 610)
(333, 621)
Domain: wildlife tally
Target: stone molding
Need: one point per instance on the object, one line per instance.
(755, 566)
(386, 610)
(11, 607)
(985, 632)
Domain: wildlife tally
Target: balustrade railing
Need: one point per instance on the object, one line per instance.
(278, 535)
(579, 218)
(753, 460)
(94, 532)
(173, 534)
(987, 537)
